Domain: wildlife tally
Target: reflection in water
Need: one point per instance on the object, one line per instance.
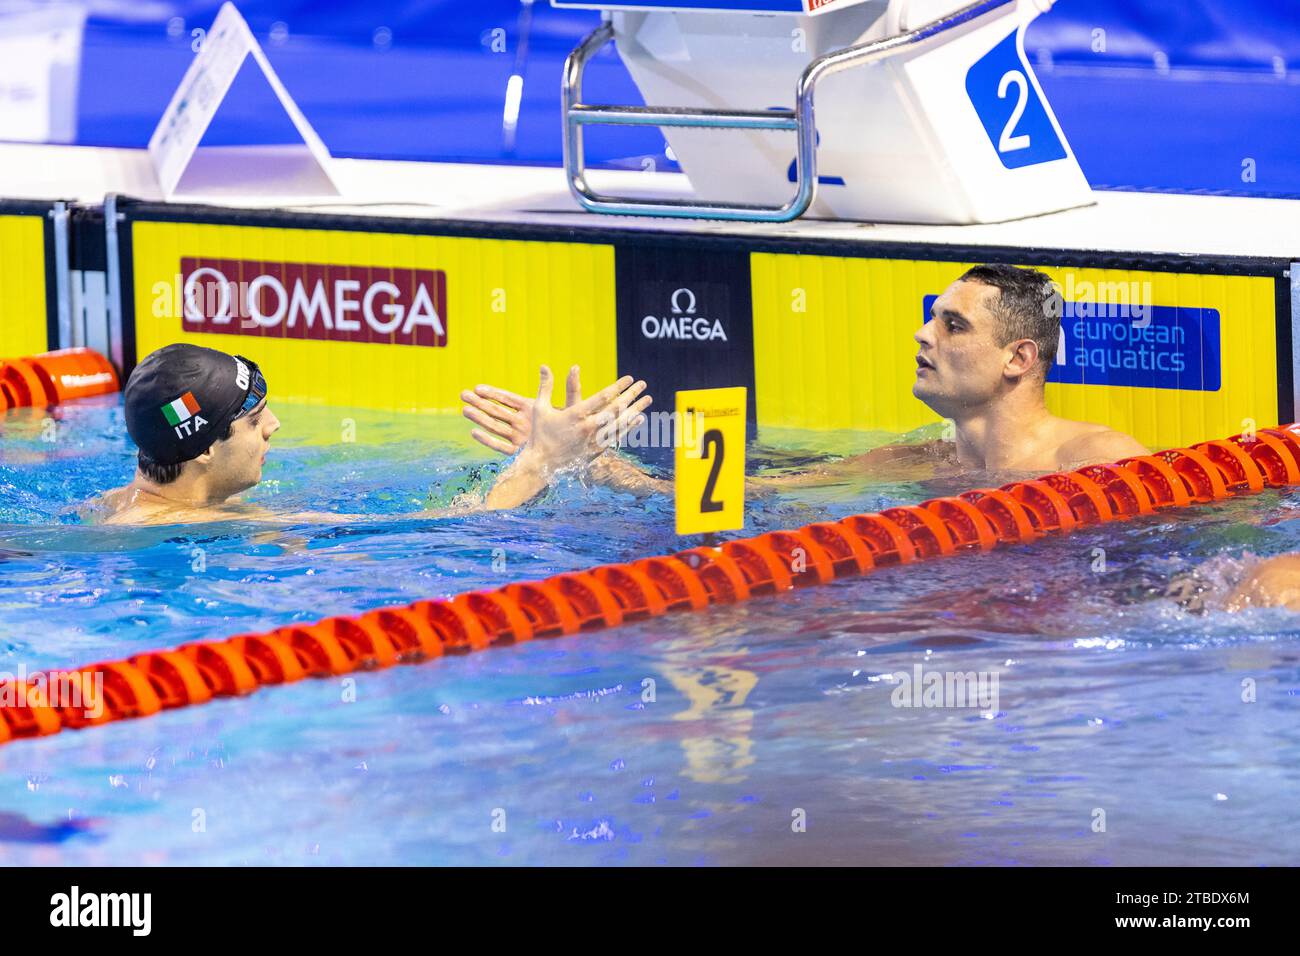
(719, 744)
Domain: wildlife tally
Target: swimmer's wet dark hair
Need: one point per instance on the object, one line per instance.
(161, 474)
(1028, 307)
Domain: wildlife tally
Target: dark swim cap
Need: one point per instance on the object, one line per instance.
(181, 397)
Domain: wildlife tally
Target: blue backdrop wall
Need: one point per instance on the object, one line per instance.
(1158, 94)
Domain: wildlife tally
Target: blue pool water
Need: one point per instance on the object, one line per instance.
(1112, 698)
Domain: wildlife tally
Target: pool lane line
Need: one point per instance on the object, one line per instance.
(53, 378)
(607, 596)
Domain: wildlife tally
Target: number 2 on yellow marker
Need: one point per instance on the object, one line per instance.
(710, 460)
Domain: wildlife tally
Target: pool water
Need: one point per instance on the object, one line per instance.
(1127, 730)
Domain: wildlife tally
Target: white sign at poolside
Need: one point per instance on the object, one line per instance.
(184, 168)
(40, 61)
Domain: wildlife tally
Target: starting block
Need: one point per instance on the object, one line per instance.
(919, 111)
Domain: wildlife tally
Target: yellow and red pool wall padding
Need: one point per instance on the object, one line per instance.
(860, 306)
(694, 579)
(511, 305)
(28, 312)
(823, 341)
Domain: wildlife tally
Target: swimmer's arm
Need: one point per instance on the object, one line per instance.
(615, 471)
(506, 423)
(854, 466)
(517, 485)
(1099, 448)
(1271, 583)
(562, 438)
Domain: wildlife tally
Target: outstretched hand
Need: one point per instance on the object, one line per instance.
(584, 427)
(506, 419)
(548, 438)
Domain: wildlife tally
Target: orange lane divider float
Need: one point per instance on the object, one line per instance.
(54, 377)
(693, 579)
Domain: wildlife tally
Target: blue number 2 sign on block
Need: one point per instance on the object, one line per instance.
(1010, 108)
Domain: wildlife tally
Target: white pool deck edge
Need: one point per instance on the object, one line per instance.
(1119, 222)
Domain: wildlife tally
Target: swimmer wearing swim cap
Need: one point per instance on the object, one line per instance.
(200, 420)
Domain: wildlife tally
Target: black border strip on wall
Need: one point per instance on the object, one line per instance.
(1286, 410)
(51, 283)
(1277, 268)
(126, 289)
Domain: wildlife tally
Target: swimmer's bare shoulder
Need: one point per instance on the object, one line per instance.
(152, 514)
(1086, 443)
(99, 508)
(129, 506)
(126, 506)
(117, 506)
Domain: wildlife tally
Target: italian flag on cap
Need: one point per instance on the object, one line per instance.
(181, 409)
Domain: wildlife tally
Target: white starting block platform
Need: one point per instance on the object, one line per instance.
(921, 111)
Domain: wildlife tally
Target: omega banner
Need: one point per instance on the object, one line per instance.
(360, 317)
(301, 300)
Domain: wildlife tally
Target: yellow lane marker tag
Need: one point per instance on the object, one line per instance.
(710, 460)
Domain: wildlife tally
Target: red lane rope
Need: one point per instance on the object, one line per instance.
(607, 596)
(54, 377)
